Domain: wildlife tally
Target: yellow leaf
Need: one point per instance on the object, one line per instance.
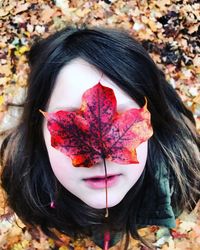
(51, 243)
(23, 49)
(82, 13)
(63, 248)
(2, 100)
(197, 99)
(152, 25)
(25, 243)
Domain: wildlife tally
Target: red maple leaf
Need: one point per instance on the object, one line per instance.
(97, 131)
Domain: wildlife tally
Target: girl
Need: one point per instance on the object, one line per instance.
(46, 188)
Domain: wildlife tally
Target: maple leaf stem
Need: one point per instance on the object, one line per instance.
(106, 180)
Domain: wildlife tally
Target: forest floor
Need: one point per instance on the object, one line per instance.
(167, 29)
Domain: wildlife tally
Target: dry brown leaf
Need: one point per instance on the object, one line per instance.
(21, 7)
(5, 70)
(47, 14)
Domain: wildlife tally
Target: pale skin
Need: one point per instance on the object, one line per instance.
(72, 81)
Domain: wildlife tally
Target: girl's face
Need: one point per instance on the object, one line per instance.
(72, 81)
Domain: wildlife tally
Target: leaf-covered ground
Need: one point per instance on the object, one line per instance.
(167, 29)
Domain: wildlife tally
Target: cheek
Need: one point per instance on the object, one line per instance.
(134, 171)
(60, 164)
(142, 152)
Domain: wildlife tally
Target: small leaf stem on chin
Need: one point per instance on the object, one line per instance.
(106, 181)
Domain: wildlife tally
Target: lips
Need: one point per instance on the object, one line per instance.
(98, 182)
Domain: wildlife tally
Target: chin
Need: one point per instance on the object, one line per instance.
(102, 204)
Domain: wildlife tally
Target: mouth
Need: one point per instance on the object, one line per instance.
(99, 182)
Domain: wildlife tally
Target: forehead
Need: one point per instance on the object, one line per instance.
(74, 79)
